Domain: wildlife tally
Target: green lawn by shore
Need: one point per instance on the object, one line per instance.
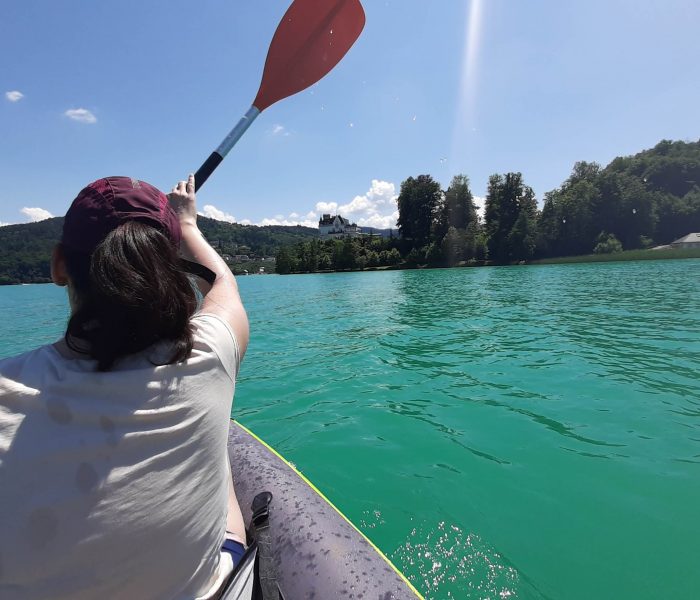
(622, 256)
(628, 255)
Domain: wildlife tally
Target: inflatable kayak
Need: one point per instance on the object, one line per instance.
(317, 551)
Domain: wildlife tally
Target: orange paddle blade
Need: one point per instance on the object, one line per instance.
(312, 37)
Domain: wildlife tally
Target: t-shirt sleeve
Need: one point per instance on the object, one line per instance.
(217, 333)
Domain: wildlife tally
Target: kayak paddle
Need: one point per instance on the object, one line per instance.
(311, 39)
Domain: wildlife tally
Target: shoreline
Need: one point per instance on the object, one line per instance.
(625, 256)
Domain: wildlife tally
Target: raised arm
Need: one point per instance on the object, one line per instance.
(221, 298)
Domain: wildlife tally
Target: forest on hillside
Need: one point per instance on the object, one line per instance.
(26, 249)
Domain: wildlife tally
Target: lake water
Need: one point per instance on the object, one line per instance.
(517, 432)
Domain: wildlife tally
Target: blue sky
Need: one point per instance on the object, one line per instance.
(439, 87)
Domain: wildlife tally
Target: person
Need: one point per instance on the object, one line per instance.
(114, 473)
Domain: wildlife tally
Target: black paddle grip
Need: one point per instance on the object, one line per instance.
(207, 169)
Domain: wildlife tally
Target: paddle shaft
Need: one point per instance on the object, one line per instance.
(312, 37)
(224, 148)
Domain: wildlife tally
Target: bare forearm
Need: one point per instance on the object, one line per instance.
(221, 298)
(196, 249)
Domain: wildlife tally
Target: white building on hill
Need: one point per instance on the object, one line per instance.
(335, 226)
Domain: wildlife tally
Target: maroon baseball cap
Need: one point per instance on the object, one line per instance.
(107, 203)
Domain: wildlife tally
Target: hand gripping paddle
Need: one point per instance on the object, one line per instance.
(312, 37)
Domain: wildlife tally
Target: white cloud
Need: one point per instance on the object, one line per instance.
(82, 115)
(215, 213)
(326, 207)
(36, 214)
(279, 130)
(209, 210)
(4, 224)
(288, 222)
(376, 208)
(358, 204)
(14, 96)
(380, 221)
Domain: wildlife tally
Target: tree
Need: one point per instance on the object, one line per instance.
(344, 254)
(567, 224)
(285, 261)
(583, 171)
(458, 223)
(452, 246)
(433, 254)
(479, 236)
(325, 262)
(607, 244)
(522, 238)
(627, 208)
(419, 203)
(662, 197)
(508, 197)
(500, 214)
(677, 216)
(460, 210)
(415, 256)
(393, 257)
(549, 225)
(308, 255)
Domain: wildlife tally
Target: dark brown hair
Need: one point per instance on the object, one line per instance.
(130, 293)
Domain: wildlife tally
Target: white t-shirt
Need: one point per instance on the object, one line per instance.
(114, 484)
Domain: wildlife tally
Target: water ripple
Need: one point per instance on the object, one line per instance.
(542, 394)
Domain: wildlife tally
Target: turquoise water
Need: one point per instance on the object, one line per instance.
(524, 432)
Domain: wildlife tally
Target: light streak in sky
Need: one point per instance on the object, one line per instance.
(465, 122)
(471, 47)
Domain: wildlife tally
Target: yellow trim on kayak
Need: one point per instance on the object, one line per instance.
(320, 493)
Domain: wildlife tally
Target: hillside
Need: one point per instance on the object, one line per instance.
(26, 251)
(650, 198)
(26, 248)
(259, 241)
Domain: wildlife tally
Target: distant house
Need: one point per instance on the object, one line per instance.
(335, 226)
(692, 240)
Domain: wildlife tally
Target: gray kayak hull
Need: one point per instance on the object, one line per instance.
(319, 554)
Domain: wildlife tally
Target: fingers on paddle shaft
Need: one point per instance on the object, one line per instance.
(207, 169)
(311, 39)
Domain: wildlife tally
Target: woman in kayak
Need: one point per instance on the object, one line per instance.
(114, 477)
